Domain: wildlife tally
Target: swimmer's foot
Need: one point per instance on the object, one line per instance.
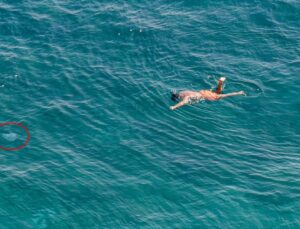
(222, 79)
(220, 85)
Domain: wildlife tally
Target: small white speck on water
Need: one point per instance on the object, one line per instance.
(141, 30)
(10, 136)
(119, 34)
(130, 30)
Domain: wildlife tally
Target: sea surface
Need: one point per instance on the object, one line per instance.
(92, 80)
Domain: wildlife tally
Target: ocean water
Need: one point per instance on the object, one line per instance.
(91, 80)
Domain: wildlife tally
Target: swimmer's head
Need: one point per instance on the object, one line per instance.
(174, 96)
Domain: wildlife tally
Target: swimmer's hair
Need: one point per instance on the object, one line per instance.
(174, 96)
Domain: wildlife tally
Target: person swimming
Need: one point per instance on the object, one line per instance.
(188, 97)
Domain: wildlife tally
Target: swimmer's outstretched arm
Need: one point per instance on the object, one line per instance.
(231, 94)
(180, 104)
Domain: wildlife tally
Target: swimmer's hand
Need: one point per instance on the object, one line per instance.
(242, 93)
(180, 104)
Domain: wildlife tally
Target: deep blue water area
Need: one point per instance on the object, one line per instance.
(92, 81)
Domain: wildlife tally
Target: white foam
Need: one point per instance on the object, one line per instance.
(10, 136)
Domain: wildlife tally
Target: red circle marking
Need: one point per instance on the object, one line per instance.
(21, 126)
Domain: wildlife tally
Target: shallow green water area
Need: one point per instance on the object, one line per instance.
(92, 82)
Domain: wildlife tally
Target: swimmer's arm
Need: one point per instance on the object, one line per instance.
(180, 104)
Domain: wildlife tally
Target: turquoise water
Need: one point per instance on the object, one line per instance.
(92, 81)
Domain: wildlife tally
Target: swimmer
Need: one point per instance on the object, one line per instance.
(187, 97)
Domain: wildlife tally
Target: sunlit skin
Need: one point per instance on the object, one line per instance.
(185, 96)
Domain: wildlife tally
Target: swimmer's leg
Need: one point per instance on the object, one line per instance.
(220, 85)
(231, 94)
